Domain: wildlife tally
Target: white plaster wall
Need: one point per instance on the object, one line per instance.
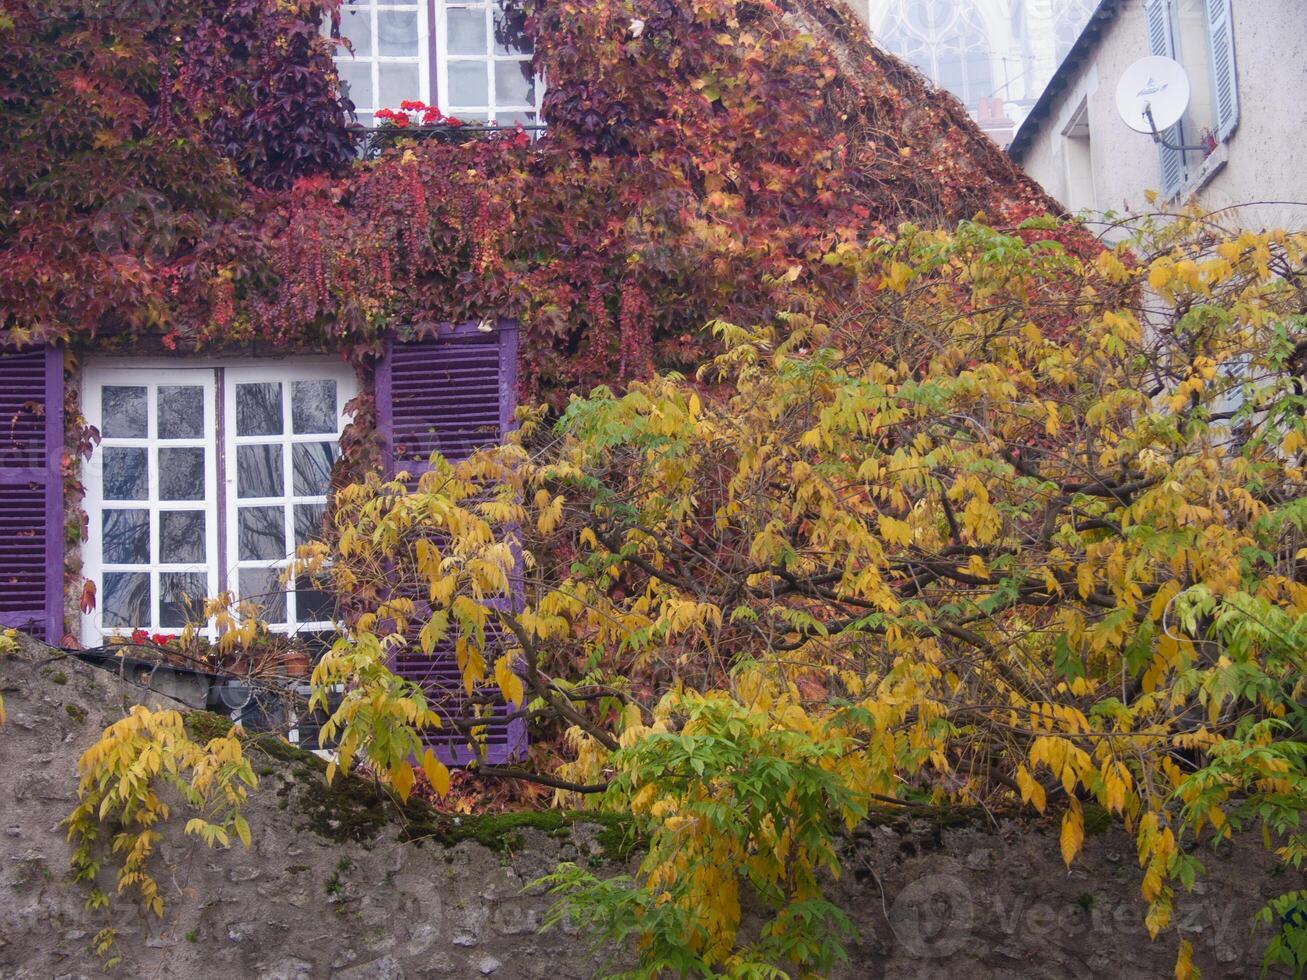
(1266, 159)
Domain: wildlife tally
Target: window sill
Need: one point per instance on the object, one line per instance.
(1213, 165)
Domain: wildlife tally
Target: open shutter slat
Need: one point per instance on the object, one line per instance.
(1225, 88)
(31, 491)
(450, 393)
(453, 392)
(1161, 41)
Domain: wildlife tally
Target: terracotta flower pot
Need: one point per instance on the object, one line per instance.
(295, 663)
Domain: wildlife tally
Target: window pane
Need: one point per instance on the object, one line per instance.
(181, 412)
(510, 32)
(259, 471)
(262, 585)
(123, 412)
(312, 605)
(125, 474)
(467, 32)
(181, 474)
(258, 409)
(357, 26)
(126, 535)
(313, 407)
(262, 533)
(308, 522)
(950, 75)
(514, 83)
(511, 119)
(126, 599)
(468, 83)
(398, 83)
(181, 536)
(181, 598)
(313, 462)
(355, 80)
(397, 33)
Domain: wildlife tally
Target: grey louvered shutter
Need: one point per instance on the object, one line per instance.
(31, 491)
(1225, 80)
(1161, 41)
(452, 392)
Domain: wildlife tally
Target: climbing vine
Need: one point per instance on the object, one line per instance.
(193, 181)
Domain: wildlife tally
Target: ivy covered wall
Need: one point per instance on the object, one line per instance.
(184, 173)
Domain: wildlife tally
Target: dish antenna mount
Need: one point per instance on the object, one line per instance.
(1153, 95)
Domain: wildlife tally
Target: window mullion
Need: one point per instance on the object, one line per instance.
(152, 499)
(288, 495)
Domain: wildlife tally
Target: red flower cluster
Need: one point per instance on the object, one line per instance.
(423, 114)
(158, 639)
(399, 119)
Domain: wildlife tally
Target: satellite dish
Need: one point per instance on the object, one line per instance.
(1157, 86)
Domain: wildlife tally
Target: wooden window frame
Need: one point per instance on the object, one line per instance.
(219, 377)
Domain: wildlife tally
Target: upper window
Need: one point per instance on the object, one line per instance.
(945, 40)
(485, 63)
(389, 63)
(207, 480)
(472, 58)
(1069, 19)
(1199, 35)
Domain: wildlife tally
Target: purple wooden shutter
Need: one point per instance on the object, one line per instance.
(453, 392)
(31, 491)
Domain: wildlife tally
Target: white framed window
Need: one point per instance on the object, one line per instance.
(471, 58)
(281, 437)
(1200, 35)
(152, 537)
(392, 56)
(484, 63)
(206, 479)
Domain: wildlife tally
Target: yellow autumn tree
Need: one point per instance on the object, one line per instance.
(1021, 524)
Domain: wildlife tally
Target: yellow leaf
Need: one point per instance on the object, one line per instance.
(1051, 423)
(551, 511)
(1073, 832)
(1184, 963)
(1085, 580)
(402, 779)
(509, 683)
(1031, 790)
(437, 773)
(894, 531)
(898, 277)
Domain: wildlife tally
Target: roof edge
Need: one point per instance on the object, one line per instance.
(1102, 16)
(851, 39)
